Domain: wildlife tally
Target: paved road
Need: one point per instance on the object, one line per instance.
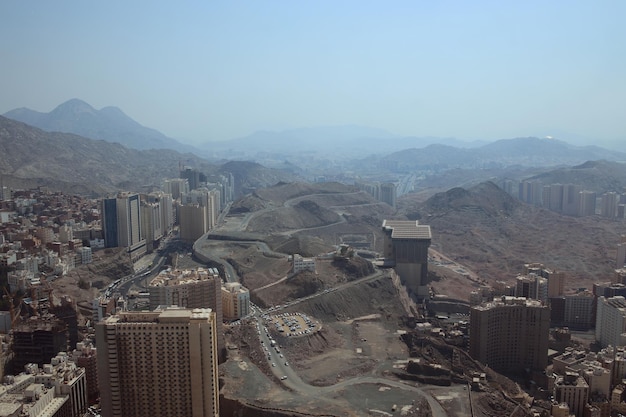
(280, 368)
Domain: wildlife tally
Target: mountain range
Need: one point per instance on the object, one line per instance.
(329, 147)
(109, 123)
(340, 153)
(31, 157)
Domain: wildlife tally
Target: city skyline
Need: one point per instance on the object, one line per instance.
(217, 71)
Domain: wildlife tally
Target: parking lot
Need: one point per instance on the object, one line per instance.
(292, 324)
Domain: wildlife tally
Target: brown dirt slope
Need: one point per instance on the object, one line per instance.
(305, 214)
(494, 235)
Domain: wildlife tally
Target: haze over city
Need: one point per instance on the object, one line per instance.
(216, 71)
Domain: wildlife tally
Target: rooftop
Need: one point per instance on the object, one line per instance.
(407, 229)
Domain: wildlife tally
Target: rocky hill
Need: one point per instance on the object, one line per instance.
(494, 235)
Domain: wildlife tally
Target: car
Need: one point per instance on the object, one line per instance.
(286, 364)
(273, 364)
(281, 355)
(282, 378)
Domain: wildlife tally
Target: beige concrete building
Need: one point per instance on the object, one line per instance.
(611, 321)
(193, 222)
(510, 334)
(556, 279)
(190, 288)
(406, 249)
(235, 301)
(300, 263)
(573, 390)
(158, 364)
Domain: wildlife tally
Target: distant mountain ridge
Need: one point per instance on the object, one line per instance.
(505, 152)
(31, 157)
(109, 123)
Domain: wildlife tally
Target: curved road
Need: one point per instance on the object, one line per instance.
(280, 368)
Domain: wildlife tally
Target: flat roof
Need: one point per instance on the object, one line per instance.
(407, 229)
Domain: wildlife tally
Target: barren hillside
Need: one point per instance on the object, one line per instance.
(494, 235)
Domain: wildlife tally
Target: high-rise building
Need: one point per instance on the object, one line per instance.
(571, 199)
(151, 218)
(532, 286)
(176, 187)
(38, 341)
(611, 321)
(388, 193)
(620, 260)
(609, 205)
(192, 176)
(406, 249)
(192, 222)
(510, 334)
(190, 288)
(555, 202)
(158, 364)
(556, 279)
(531, 192)
(587, 202)
(85, 356)
(204, 197)
(579, 311)
(121, 224)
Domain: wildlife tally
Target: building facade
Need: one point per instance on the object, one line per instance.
(121, 224)
(510, 334)
(611, 321)
(190, 288)
(406, 246)
(158, 364)
(235, 301)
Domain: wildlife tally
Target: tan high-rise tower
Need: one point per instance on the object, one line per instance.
(160, 363)
(510, 334)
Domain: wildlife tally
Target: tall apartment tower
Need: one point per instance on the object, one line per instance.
(210, 199)
(609, 205)
(510, 334)
(555, 202)
(176, 187)
(192, 221)
(190, 288)
(532, 286)
(587, 203)
(406, 249)
(571, 199)
(158, 364)
(121, 224)
(192, 176)
(620, 260)
(556, 279)
(531, 192)
(388, 193)
(611, 321)
(151, 219)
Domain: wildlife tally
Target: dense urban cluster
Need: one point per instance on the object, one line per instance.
(52, 361)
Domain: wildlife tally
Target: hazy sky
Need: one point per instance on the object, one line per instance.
(213, 70)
